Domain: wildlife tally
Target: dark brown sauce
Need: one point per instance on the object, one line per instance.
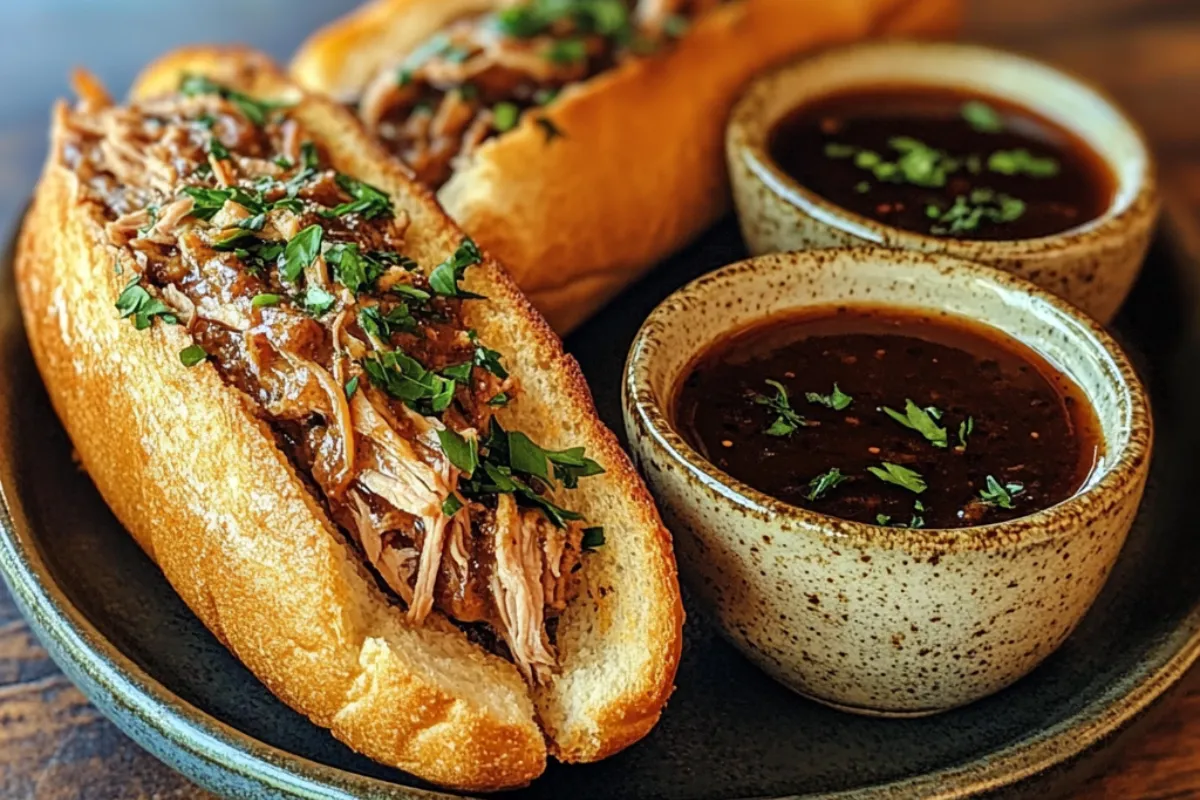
(1031, 428)
(857, 150)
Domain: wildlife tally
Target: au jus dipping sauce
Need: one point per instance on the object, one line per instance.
(890, 417)
(943, 163)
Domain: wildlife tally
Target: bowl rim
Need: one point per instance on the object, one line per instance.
(748, 130)
(1124, 470)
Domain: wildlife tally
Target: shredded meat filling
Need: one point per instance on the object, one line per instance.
(290, 277)
(472, 80)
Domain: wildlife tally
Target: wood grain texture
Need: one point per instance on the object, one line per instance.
(55, 746)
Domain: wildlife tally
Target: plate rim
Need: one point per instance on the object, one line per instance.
(224, 760)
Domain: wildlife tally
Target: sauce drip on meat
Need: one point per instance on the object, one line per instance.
(476, 78)
(291, 279)
(943, 163)
(889, 417)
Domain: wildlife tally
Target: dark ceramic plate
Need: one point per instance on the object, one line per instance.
(113, 624)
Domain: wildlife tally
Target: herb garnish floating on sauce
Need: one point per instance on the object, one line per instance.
(921, 420)
(965, 429)
(823, 483)
(837, 400)
(970, 211)
(982, 117)
(136, 302)
(998, 495)
(900, 476)
(788, 420)
(1022, 162)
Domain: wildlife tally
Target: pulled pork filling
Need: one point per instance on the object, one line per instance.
(476, 78)
(291, 279)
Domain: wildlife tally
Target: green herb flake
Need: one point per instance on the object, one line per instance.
(837, 400)
(264, 300)
(1000, 495)
(900, 476)
(593, 538)
(839, 150)
(446, 276)
(134, 301)
(256, 111)
(369, 202)
(505, 116)
(462, 452)
(192, 355)
(787, 420)
(965, 429)
(822, 484)
(566, 51)
(982, 117)
(351, 387)
(300, 252)
(317, 302)
(968, 212)
(920, 420)
(676, 25)
(452, 505)
(1022, 162)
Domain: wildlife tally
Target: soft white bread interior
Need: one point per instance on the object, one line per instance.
(640, 169)
(198, 480)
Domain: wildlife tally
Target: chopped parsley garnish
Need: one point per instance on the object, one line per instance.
(403, 377)
(499, 400)
(445, 276)
(820, 485)
(505, 116)
(352, 268)
(134, 301)
(511, 462)
(787, 420)
(408, 290)
(462, 452)
(382, 326)
(982, 117)
(900, 476)
(921, 420)
(260, 254)
(264, 300)
(300, 252)
(216, 149)
(914, 522)
(545, 96)
(368, 201)
(351, 387)
(487, 358)
(592, 538)
(1022, 162)
(608, 18)
(451, 505)
(1001, 496)
(965, 429)
(257, 111)
(837, 400)
(192, 355)
(566, 51)
(970, 211)
(317, 301)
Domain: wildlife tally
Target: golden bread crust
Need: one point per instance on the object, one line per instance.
(199, 482)
(640, 170)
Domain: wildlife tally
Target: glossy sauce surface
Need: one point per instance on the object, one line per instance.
(943, 163)
(1021, 422)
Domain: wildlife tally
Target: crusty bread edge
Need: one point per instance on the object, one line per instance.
(640, 171)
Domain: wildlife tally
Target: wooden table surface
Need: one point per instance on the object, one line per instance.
(54, 745)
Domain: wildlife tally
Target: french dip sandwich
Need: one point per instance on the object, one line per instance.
(580, 141)
(349, 442)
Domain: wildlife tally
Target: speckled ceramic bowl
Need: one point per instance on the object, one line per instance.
(1093, 265)
(881, 620)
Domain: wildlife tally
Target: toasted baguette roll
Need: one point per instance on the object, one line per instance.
(639, 170)
(196, 476)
